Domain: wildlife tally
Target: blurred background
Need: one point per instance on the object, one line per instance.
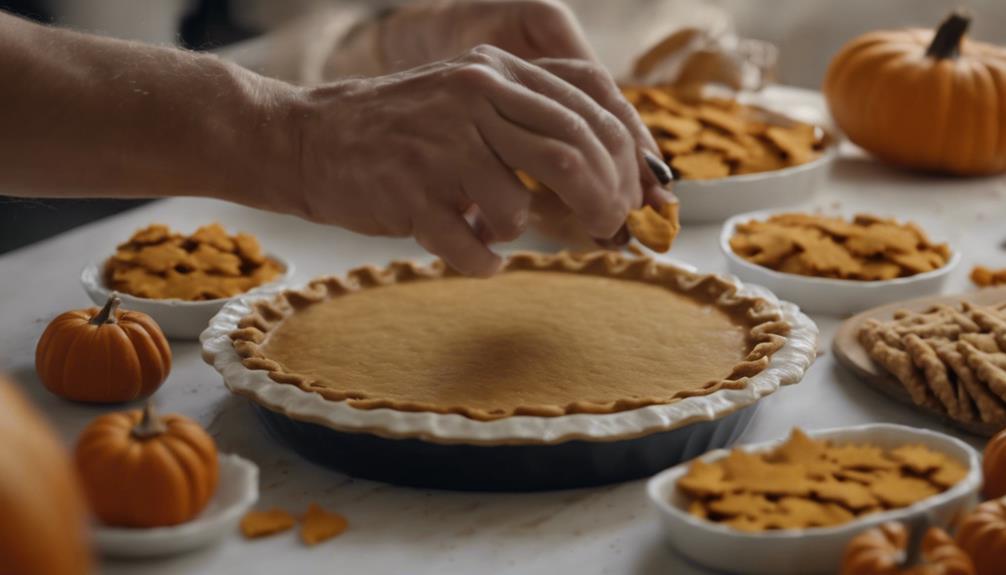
(807, 33)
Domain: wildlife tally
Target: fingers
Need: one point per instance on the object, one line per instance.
(502, 200)
(552, 30)
(595, 81)
(446, 234)
(541, 124)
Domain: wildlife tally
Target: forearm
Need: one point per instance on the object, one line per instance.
(88, 116)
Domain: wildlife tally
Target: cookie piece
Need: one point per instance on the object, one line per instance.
(655, 230)
(319, 525)
(700, 166)
(261, 523)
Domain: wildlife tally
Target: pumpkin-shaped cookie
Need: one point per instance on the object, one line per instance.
(143, 470)
(994, 467)
(43, 522)
(982, 534)
(103, 356)
(933, 101)
(881, 551)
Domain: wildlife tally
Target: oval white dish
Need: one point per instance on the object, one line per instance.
(705, 201)
(236, 493)
(827, 295)
(787, 366)
(806, 551)
(177, 318)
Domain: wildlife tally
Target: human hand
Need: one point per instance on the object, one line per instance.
(414, 153)
(432, 30)
(428, 31)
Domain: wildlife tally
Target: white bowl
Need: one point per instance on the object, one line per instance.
(236, 493)
(827, 295)
(178, 319)
(704, 201)
(816, 550)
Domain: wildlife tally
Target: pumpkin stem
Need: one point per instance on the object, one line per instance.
(947, 40)
(107, 313)
(150, 424)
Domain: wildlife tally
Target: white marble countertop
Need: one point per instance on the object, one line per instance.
(399, 530)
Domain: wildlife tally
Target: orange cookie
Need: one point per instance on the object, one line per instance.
(700, 166)
(320, 525)
(654, 230)
(261, 523)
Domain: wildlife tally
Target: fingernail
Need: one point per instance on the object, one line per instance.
(620, 238)
(661, 170)
(657, 196)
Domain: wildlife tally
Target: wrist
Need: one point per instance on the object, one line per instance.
(262, 167)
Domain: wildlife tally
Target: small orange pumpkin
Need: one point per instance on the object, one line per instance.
(994, 467)
(103, 356)
(924, 100)
(881, 551)
(142, 470)
(982, 533)
(43, 522)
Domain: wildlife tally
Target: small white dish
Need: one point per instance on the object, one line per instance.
(827, 295)
(705, 201)
(807, 551)
(178, 319)
(236, 493)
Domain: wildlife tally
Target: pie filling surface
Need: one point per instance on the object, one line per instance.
(525, 342)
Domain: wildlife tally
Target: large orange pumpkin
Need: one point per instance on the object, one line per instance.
(982, 533)
(103, 356)
(924, 100)
(143, 470)
(994, 467)
(881, 551)
(43, 520)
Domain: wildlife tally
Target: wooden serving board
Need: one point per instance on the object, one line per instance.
(851, 354)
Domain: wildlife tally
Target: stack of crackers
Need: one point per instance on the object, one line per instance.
(157, 263)
(716, 138)
(950, 358)
(866, 248)
(807, 483)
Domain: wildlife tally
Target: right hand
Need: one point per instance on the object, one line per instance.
(413, 153)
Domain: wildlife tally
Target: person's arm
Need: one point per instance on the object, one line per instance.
(82, 115)
(407, 154)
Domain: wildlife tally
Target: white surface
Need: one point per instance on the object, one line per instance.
(178, 319)
(787, 367)
(827, 295)
(236, 493)
(606, 530)
(709, 201)
(810, 551)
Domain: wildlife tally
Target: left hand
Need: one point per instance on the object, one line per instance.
(428, 31)
(431, 30)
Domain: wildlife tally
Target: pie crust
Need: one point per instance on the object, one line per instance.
(760, 327)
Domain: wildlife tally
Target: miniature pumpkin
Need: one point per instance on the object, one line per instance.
(103, 356)
(924, 100)
(994, 467)
(881, 551)
(143, 470)
(43, 525)
(982, 534)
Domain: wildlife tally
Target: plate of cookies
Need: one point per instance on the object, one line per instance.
(791, 506)
(944, 355)
(182, 281)
(834, 264)
(730, 157)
